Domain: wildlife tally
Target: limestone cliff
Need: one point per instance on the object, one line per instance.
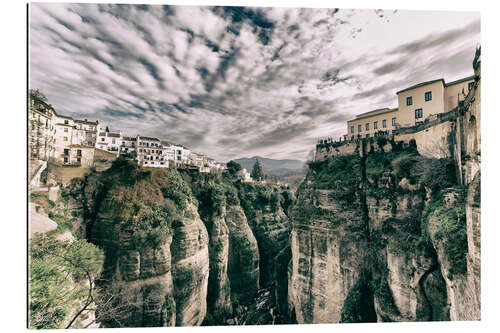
(372, 240)
(179, 250)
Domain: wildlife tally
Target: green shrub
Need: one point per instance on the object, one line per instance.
(153, 228)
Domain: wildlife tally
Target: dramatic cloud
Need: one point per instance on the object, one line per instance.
(238, 81)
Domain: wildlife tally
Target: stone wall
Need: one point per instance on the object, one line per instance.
(433, 142)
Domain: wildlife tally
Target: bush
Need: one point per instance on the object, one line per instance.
(60, 274)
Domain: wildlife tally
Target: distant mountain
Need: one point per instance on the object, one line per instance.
(286, 170)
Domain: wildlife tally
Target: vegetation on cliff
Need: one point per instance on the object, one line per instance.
(62, 281)
(398, 204)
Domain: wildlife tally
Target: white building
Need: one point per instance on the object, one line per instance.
(243, 174)
(87, 132)
(129, 144)
(41, 131)
(109, 141)
(150, 152)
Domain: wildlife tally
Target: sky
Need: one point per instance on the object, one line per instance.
(239, 81)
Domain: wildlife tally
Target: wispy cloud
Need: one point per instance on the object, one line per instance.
(235, 81)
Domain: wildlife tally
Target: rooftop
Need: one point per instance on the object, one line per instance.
(148, 138)
(468, 78)
(373, 113)
(86, 122)
(421, 85)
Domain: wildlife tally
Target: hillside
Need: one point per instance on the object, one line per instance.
(286, 170)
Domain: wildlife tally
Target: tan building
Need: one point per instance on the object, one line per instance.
(419, 101)
(371, 123)
(415, 104)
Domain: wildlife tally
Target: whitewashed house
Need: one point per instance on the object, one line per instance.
(109, 141)
(129, 144)
(150, 152)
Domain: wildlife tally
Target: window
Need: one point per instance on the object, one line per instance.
(409, 100)
(65, 138)
(65, 160)
(419, 113)
(367, 126)
(352, 129)
(470, 86)
(393, 121)
(114, 141)
(102, 139)
(66, 129)
(79, 160)
(428, 96)
(79, 152)
(66, 122)
(66, 151)
(375, 124)
(359, 128)
(384, 123)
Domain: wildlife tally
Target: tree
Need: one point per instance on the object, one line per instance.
(37, 96)
(62, 281)
(257, 173)
(107, 129)
(233, 168)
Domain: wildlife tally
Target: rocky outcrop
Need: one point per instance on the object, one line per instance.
(243, 266)
(190, 262)
(387, 227)
(156, 246)
(328, 243)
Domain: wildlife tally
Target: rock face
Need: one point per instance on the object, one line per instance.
(383, 237)
(180, 251)
(190, 262)
(243, 268)
(263, 208)
(156, 247)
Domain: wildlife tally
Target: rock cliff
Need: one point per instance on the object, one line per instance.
(179, 250)
(383, 237)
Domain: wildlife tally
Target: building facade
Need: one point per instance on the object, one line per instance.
(415, 104)
(372, 123)
(41, 131)
(150, 152)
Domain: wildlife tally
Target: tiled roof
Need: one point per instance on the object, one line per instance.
(421, 85)
(468, 78)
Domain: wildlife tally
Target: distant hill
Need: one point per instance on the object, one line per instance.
(286, 170)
